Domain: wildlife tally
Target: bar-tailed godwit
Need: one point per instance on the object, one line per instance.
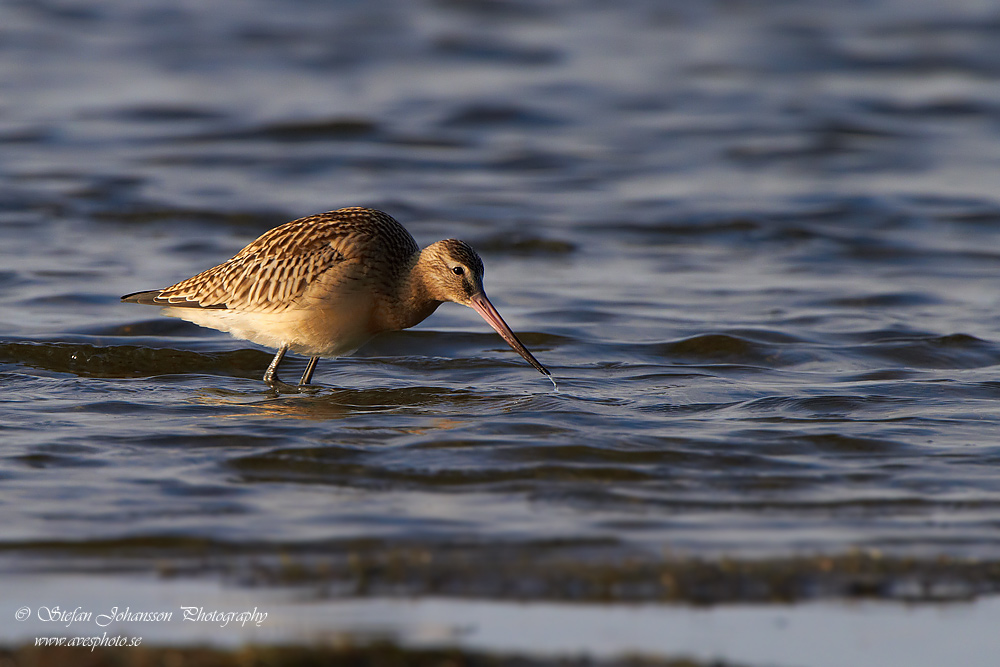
(323, 285)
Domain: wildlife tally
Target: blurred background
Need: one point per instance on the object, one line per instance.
(756, 242)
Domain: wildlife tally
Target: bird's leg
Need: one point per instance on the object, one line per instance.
(307, 375)
(271, 374)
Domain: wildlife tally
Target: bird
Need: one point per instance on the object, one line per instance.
(323, 285)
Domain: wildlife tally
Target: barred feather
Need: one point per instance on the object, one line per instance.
(273, 273)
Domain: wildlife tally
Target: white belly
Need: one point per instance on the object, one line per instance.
(323, 332)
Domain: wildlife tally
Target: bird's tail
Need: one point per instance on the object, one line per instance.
(148, 297)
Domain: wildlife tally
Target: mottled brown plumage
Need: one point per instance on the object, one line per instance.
(325, 284)
(273, 272)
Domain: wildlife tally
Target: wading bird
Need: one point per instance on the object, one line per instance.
(323, 285)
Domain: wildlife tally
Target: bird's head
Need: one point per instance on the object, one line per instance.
(452, 271)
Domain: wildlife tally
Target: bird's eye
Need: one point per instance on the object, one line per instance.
(458, 271)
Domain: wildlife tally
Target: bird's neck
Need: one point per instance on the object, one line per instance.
(413, 301)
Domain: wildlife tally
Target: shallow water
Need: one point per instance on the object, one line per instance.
(758, 246)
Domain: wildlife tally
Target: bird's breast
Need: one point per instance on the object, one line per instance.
(394, 315)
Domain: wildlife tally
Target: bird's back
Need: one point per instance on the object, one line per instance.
(349, 247)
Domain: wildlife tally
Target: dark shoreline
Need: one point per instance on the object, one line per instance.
(536, 572)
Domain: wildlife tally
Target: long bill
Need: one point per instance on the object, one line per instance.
(482, 305)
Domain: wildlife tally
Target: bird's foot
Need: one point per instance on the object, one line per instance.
(280, 387)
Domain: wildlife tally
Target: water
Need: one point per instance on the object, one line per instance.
(756, 245)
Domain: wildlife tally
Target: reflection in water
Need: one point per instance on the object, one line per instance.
(324, 404)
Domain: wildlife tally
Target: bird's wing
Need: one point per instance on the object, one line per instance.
(274, 271)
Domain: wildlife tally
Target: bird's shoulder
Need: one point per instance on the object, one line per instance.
(347, 233)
